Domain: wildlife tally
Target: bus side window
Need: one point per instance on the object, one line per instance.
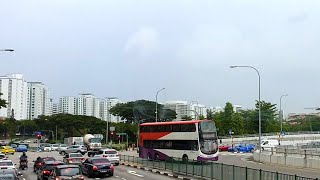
(167, 128)
(176, 128)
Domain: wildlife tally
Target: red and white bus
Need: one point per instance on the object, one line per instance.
(195, 139)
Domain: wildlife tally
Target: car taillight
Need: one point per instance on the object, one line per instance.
(45, 172)
(57, 178)
(95, 168)
(39, 164)
(81, 177)
(82, 159)
(112, 167)
(70, 160)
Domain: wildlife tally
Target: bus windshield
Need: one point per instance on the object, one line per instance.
(208, 137)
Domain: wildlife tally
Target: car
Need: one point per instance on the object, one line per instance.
(38, 163)
(242, 148)
(10, 174)
(97, 166)
(62, 147)
(14, 146)
(72, 172)
(54, 147)
(111, 154)
(28, 141)
(46, 147)
(73, 158)
(7, 150)
(7, 164)
(223, 147)
(45, 171)
(3, 156)
(2, 143)
(73, 149)
(21, 148)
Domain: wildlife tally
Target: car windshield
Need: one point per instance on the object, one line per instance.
(75, 155)
(7, 176)
(51, 166)
(100, 161)
(69, 171)
(110, 152)
(54, 145)
(22, 146)
(63, 145)
(6, 163)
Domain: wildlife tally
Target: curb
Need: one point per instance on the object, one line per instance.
(156, 171)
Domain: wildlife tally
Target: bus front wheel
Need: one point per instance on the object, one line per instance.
(185, 158)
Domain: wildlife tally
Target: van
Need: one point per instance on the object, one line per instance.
(268, 144)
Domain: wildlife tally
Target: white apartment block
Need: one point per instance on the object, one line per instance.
(38, 100)
(183, 108)
(14, 89)
(88, 105)
(55, 108)
(67, 105)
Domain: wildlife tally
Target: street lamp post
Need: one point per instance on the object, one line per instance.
(281, 116)
(157, 103)
(259, 104)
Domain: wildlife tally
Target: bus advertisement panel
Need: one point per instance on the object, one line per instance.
(189, 140)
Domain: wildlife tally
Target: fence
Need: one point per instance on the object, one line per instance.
(211, 170)
(312, 153)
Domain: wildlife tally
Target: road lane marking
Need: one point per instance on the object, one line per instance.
(123, 179)
(134, 173)
(117, 176)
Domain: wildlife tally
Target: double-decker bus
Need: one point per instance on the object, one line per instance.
(195, 139)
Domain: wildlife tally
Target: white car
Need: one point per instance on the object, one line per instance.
(3, 156)
(7, 164)
(54, 147)
(111, 154)
(47, 147)
(62, 147)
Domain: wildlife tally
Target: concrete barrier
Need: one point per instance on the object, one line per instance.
(302, 162)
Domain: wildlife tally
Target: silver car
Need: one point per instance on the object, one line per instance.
(73, 149)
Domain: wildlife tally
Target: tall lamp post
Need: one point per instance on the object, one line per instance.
(281, 115)
(157, 103)
(8, 50)
(259, 99)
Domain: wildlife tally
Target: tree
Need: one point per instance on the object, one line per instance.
(186, 117)
(3, 103)
(135, 111)
(268, 114)
(210, 114)
(201, 117)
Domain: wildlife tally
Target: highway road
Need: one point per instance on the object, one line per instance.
(245, 160)
(121, 172)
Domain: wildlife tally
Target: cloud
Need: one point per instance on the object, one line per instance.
(143, 42)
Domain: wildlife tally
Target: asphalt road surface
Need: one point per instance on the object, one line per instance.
(120, 173)
(245, 160)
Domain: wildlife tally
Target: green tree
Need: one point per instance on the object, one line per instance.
(268, 114)
(210, 114)
(237, 124)
(201, 117)
(3, 103)
(186, 117)
(135, 111)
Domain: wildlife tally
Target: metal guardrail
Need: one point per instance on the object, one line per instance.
(211, 170)
(294, 152)
(270, 134)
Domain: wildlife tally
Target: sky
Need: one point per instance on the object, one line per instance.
(131, 49)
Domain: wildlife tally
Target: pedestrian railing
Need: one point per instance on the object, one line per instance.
(211, 170)
(306, 153)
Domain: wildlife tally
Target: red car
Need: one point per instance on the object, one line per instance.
(223, 147)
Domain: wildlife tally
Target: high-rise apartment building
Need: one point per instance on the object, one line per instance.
(67, 105)
(38, 100)
(55, 108)
(14, 89)
(183, 108)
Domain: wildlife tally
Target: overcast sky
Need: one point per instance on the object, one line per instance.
(130, 49)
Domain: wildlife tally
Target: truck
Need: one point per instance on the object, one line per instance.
(92, 142)
(73, 141)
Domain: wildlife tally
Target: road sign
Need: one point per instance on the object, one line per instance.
(112, 128)
(121, 134)
(283, 133)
